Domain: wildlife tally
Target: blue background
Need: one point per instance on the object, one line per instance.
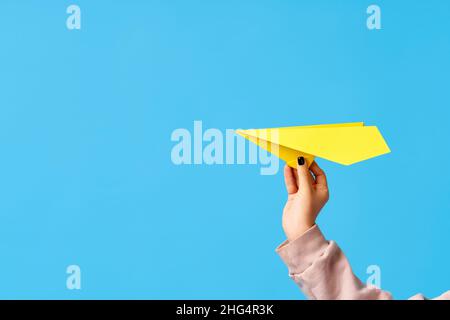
(86, 117)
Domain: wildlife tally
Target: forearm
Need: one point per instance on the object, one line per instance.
(322, 271)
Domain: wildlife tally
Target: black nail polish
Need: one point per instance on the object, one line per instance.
(300, 161)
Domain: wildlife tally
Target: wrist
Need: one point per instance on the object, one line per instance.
(300, 230)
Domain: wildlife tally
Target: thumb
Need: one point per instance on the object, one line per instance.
(304, 177)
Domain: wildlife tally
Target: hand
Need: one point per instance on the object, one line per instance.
(307, 194)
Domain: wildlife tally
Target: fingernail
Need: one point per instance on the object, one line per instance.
(300, 161)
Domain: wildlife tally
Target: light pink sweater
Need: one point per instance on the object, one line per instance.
(321, 270)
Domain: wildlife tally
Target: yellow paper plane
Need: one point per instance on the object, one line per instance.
(344, 143)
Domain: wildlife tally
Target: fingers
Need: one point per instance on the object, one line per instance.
(290, 180)
(304, 176)
(319, 174)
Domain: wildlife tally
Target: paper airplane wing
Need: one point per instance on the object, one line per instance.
(345, 143)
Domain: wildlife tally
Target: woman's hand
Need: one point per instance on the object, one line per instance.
(307, 194)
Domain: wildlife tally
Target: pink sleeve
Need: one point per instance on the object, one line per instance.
(322, 271)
